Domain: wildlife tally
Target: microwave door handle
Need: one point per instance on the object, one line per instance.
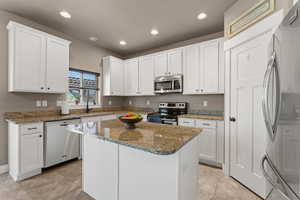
(265, 99)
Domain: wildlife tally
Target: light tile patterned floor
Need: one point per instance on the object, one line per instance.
(64, 183)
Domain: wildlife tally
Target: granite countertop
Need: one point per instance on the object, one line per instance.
(54, 115)
(151, 137)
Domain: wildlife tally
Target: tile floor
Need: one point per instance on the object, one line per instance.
(64, 183)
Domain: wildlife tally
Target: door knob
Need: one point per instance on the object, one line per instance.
(232, 119)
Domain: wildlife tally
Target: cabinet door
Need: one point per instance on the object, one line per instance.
(31, 152)
(208, 144)
(161, 64)
(175, 61)
(191, 69)
(116, 77)
(57, 66)
(221, 66)
(131, 68)
(210, 67)
(146, 75)
(29, 61)
(208, 140)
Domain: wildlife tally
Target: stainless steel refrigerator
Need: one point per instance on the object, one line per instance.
(281, 108)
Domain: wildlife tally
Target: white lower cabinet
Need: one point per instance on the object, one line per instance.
(211, 144)
(25, 150)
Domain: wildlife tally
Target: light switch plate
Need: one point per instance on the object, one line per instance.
(148, 102)
(44, 103)
(109, 102)
(130, 102)
(38, 104)
(205, 103)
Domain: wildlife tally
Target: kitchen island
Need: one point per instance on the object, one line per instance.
(153, 161)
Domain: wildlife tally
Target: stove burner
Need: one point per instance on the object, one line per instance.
(168, 113)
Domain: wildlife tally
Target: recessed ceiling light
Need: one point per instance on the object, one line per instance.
(65, 14)
(94, 39)
(202, 16)
(154, 32)
(122, 42)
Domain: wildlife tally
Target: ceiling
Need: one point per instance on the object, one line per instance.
(130, 20)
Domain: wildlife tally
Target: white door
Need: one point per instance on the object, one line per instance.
(116, 77)
(191, 69)
(248, 132)
(29, 68)
(57, 66)
(31, 152)
(131, 68)
(146, 75)
(161, 64)
(210, 67)
(175, 61)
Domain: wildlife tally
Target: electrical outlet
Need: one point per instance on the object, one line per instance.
(148, 102)
(44, 103)
(38, 104)
(58, 103)
(109, 102)
(130, 102)
(205, 103)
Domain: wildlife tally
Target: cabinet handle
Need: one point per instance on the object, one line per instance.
(40, 136)
(48, 88)
(205, 124)
(42, 88)
(201, 90)
(30, 129)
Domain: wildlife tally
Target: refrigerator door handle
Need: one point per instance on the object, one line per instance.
(278, 99)
(275, 185)
(266, 175)
(265, 99)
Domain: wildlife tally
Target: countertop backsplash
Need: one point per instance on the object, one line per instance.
(195, 102)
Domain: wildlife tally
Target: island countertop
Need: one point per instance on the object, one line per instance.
(151, 137)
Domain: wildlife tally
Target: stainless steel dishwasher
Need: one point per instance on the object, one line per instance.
(60, 145)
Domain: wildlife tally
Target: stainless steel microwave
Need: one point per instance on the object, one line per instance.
(168, 84)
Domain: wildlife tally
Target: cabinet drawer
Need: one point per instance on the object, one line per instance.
(206, 124)
(27, 129)
(186, 122)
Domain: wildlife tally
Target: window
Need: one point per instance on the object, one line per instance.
(83, 87)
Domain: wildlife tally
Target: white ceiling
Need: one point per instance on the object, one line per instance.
(129, 20)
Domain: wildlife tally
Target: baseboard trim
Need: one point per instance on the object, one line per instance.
(3, 169)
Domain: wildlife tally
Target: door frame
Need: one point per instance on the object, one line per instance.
(269, 24)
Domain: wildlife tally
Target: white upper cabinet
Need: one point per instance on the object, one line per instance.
(131, 69)
(113, 73)
(209, 82)
(191, 65)
(175, 61)
(221, 66)
(203, 65)
(168, 62)
(37, 61)
(146, 75)
(57, 63)
(161, 64)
